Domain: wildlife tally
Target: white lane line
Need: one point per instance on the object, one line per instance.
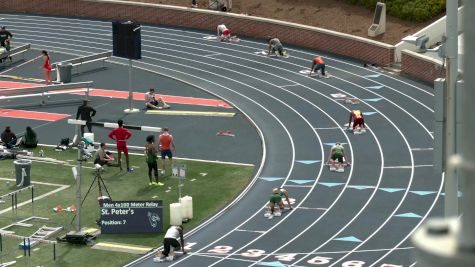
(386, 119)
(250, 231)
(397, 91)
(211, 82)
(204, 63)
(329, 128)
(215, 54)
(107, 27)
(34, 182)
(264, 81)
(354, 84)
(175, 63)
(423, 149)
(350, 83)
(418, 224)
(214, 217)
(279, 100)
(259, 90)
(408, 166)
(414, 264)
(179, 158)
(316, 253)
(307, 208)
(288, 85)
(363, 88)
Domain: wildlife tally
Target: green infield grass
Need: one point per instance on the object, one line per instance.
(212, 186)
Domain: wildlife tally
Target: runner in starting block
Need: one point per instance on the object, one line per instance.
(276, 198)
(171, 244)
(283, 194)
(318, 64)
(357, 120)
(223, 33)
(276, 48)
(337, 154)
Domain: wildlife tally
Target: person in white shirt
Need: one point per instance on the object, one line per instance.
(152, 102)
(224, 34)
(171, 240)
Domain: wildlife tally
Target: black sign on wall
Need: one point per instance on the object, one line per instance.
(127, 217)
(126, 40)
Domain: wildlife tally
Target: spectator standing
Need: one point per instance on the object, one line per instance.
(46, 66)
(86, 113)
(120, 135)
(4, 36)
(151, 159)
(166, 145)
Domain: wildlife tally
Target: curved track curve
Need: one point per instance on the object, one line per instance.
(362, 217)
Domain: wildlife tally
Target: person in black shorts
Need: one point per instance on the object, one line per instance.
(171, 240)
(151, 158)
(4, 36)
(86, 113)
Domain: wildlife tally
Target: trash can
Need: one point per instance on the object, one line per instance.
(23, 172)
(63, 72)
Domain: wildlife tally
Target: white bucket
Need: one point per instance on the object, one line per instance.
(175, 214)
(187, 205)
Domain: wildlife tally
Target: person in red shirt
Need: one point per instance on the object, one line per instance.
(46, 66)
(120, 135)
(318, 64)
(358, 120)
(166, 145)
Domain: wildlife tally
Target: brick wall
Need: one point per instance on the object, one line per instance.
(421, 67)
(342, 44)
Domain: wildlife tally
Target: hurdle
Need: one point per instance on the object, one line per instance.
(77, 62)
(19, 50)
(26, 244)
(114, 125)
(44, 91)
(14, 197)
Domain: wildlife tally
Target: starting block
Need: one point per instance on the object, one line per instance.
(215, 38)
(264, 53)
(315, 74)
(358, 130)
(353, 101)
(225, 133)
(336, 169)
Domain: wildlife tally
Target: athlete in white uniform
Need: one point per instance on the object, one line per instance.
(171, 240)
(224, 34)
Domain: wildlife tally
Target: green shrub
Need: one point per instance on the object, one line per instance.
(412, 10)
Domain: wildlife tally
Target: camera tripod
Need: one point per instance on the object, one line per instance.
(100, 185)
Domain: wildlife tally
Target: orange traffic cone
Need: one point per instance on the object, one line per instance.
(58, 208)
(71, 208)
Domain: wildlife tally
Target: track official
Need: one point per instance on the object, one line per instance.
(86, 113)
